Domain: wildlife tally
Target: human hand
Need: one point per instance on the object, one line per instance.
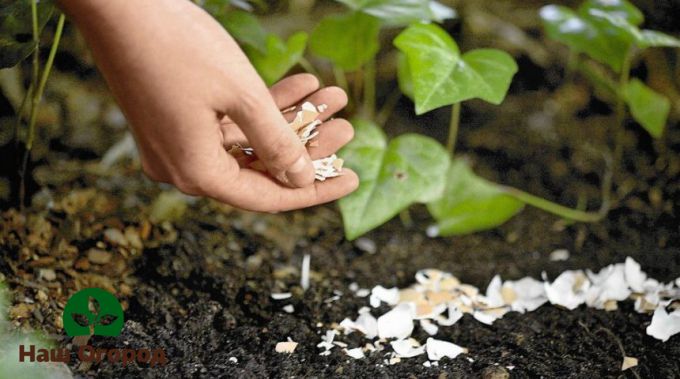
(190, 94)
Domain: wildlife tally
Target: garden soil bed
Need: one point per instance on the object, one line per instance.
(199, 287)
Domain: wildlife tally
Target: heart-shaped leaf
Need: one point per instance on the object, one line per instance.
(603, 30)
(648, 107)
(581, 34)
(278, 57)
(409, 169)
(404, 76)
(348, 41)
(471, 203)
(618, 8)
(16, 29)
(402, 12)
(441, 76)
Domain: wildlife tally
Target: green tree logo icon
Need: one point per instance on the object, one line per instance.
(93, 311)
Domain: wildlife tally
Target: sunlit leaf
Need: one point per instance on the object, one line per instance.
(581, 34)
(471, 203)
(604, 30)
(279, 57)
(648, 107)
(409, 169)
(402, 12)
(245, 28)
(348, 41)
(441, 76)
(651, 38)
(16, 29)
(404, 76)
(617, 8)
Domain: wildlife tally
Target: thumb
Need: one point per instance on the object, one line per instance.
(275, 143)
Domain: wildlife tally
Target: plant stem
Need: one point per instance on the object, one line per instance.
(20, 113)
(453, 128)
(37, 97)
(621, 108)
(554, 208)
(369, 88)
(341, 78)
(388, 107)
(405, 217)
(309, 67)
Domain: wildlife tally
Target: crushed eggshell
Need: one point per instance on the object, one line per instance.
(330, 167)
(435, 292)
(305, 125)
(437, 349)
(407, 348)
(397, 323)
(287, 347)
(628, 362)
(356, 353)
(281, 295)
(664, 325)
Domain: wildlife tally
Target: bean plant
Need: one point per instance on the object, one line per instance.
(411, 168)
(608, 32)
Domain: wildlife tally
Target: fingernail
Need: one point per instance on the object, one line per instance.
(301, 172)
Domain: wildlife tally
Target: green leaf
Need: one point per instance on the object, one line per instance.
(402, 12)
(279, 57)
(441, 76)
(16, 29)
(648, 107)
(651, 38)
(245, 28)
(470, 203)
(404, 76)
(582, 34)
(348, 41)
(410, 169)
(617, 8)
(604, 30)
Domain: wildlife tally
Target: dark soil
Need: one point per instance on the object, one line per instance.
(200, 287)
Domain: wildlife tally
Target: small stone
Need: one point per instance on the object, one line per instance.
(20, 311)
(41, 296)
(99, 257)
(366, 245)
(495, 372)
(82, 264)
(48, 274)
(133, 238)
(115, 237)
(42, 262)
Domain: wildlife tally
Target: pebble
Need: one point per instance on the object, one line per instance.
(495, 372)
(99, 257)
(48, 274)
(366, 245)
(115, 237)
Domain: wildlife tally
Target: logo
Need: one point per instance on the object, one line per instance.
(93, 311)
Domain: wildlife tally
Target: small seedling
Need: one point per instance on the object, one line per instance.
(432, 71)
(608, 32)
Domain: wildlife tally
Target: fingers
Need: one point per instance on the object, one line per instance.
(333, 135)
(334, 98)
(291, 90)
(276, 144)
(257, 192)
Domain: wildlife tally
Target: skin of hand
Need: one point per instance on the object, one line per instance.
(190, 93)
